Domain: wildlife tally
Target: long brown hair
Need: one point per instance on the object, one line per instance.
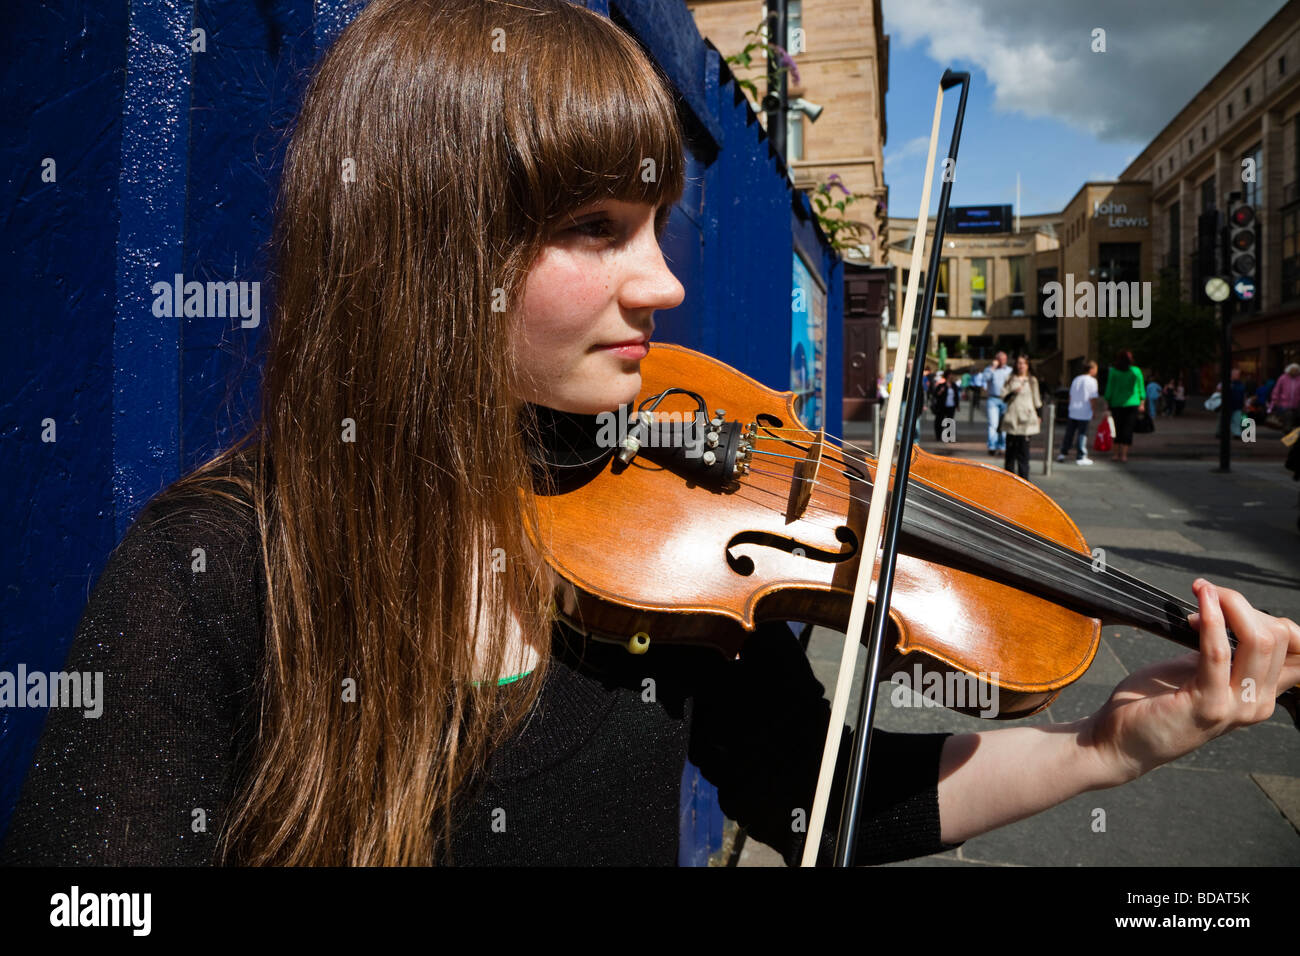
(438, 144)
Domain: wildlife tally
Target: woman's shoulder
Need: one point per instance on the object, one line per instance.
(190, 561)
(201, 523)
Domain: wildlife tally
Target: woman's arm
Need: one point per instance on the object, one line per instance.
(996, 777)
(757, 732)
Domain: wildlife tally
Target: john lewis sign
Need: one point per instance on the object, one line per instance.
(1116, 214)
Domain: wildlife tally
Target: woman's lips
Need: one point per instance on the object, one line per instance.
(631, 350)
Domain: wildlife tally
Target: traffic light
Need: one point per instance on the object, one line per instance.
(1243, 250)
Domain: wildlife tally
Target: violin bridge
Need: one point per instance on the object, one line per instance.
(805, 477)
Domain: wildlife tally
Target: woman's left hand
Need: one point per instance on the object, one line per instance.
(1169, 709)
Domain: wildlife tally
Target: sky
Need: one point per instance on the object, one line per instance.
(1041, 101)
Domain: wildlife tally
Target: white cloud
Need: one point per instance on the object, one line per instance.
(1038, 56)
(916, 146)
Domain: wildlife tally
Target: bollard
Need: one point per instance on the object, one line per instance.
(1051, 438)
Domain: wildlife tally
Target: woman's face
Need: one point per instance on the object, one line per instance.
(596, 283)
(1022, 365)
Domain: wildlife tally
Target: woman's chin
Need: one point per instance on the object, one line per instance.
(608, 400)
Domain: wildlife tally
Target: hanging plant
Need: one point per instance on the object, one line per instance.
(745, 58)
(842, 233)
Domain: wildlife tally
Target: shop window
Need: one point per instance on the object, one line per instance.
(1045, 324)
(1017, 266)
(1252, 193)
(941, 291)
(979, 287)
(1291, 255)
(1119, 262)
(795, 41)
(1175, 235)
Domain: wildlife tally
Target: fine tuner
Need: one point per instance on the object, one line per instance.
(713, 450)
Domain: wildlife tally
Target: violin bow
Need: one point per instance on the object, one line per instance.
(908, 390)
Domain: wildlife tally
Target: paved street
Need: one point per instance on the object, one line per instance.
(1165, 517)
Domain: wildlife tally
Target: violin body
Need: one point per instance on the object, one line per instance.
(651, 555)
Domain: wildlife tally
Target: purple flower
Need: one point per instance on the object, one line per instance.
(787, 61)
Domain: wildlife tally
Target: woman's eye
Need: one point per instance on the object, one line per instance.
(597, 228)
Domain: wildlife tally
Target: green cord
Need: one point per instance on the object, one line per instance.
(505, 680)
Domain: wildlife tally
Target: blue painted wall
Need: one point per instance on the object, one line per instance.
(165, 161)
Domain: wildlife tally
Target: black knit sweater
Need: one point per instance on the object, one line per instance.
(593, 777)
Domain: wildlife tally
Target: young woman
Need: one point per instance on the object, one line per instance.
(1020, 422)
(1126, 397)
(334, 645)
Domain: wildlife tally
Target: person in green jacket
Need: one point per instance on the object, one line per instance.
(1126, 397)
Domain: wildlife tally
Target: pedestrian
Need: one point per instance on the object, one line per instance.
(1238, 391)
(356, 681)
(1083, 399)
(1263, 392)
(945, 402)
(995, 377)
(1180, 397)
(1284, 400)
(1125, 397)
(1167, 403)
(1236, 405)
(1020, 421)
(1153, 396)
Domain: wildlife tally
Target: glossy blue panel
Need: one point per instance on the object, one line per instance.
(166, 160)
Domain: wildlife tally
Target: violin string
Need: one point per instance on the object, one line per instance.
(1066, 553)
(1058, 552)
(1125, 600)
(1116, 583)
(1063, 552)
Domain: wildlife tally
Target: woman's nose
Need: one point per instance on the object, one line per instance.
(653, 286)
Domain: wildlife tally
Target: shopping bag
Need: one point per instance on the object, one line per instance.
(1105, 434)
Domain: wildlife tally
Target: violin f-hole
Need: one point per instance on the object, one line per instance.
(743, 564)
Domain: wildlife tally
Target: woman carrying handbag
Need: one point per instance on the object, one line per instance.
(1021, 419)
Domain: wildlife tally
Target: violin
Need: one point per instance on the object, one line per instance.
(672, 525)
